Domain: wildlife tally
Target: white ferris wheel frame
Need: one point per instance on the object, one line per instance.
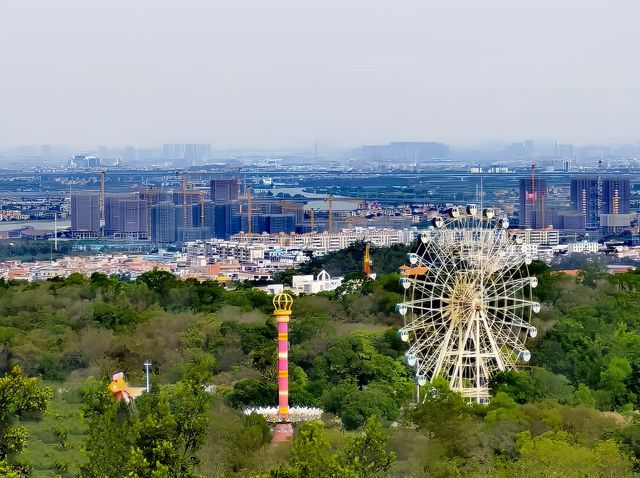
(467, 303)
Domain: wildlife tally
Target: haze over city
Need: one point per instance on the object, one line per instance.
(319, 239)
(289, 74)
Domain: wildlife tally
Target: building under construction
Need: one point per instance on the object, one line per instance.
(533, 202)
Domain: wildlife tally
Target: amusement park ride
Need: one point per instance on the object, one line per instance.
(283, 417)
(467, 302)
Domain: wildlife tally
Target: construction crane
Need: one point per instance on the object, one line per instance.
(367, 262)
(186, 192)
(101, 202)
(329, 201)
(202, 203)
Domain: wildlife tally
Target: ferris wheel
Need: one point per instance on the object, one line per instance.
(467, 302)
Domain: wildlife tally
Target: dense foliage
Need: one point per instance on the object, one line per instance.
(571, 414)
(19, 395)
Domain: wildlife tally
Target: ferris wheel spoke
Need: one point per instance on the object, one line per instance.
(436, 289)
(510, 303)
(512, 286)
(510, 319)
(428, 327)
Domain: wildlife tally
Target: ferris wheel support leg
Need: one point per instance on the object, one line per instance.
(492, 341)
(457, 381)
(442, 352)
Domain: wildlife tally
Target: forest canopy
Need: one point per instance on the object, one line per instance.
(577, 403)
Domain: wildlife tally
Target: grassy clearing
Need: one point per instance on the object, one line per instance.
(55, 440)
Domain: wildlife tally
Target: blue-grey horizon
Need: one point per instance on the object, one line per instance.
(290, 73)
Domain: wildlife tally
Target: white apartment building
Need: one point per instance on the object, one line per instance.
(323, 242)
(550, 237)
(586, 247)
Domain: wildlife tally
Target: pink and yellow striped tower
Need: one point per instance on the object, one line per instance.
(282, 304)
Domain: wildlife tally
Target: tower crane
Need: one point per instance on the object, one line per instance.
(186, 192)
(202, 202)
(329, 201)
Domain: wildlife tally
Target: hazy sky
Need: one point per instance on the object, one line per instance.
(271, 73)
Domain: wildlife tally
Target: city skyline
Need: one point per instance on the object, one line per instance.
(277, 75)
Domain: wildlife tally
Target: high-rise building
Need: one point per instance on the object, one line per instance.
(112, 211)
(226, 221)
(224, 190)
(533, 203)
(126, 215)
(585, 198)
(85, 213)
(596, 195)
(616, 196)
(134, 216)
(277, 223)
(163, 223)
(188, 153)
(206, 221)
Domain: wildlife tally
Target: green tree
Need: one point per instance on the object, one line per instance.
(613, 381)
(19, 395)
(311, 456)
(445, 417)
(591, 272)
(366, 453)
(253, 392)
(110, 436)
(355, 357)
(553, 454)
(158, 436)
